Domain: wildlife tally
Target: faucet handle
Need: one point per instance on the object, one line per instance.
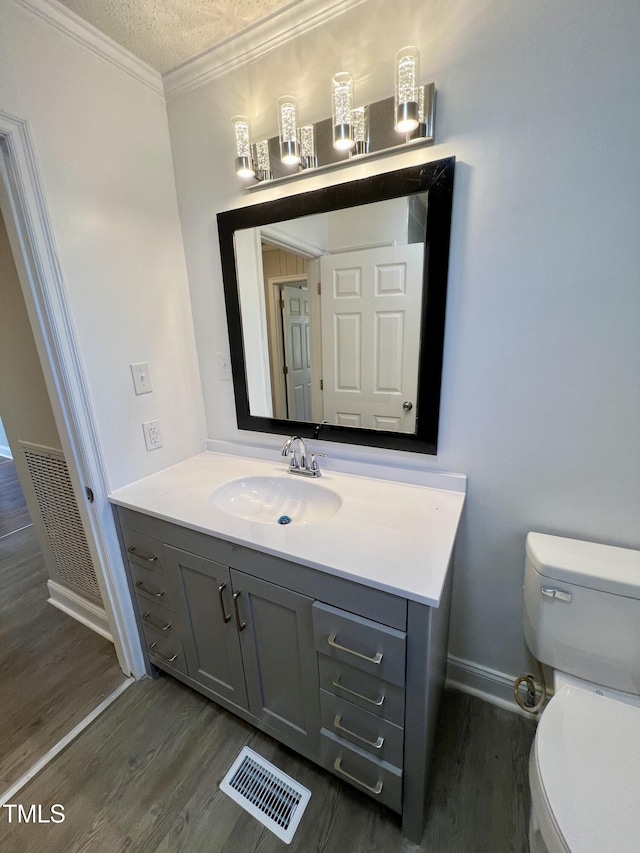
(313, 465)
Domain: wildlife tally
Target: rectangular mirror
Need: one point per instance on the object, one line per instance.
(335, 306)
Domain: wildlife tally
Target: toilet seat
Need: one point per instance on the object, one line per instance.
(585, 774)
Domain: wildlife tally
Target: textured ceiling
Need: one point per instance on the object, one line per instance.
(166, 33)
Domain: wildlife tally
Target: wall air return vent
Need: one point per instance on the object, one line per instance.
(61, 518)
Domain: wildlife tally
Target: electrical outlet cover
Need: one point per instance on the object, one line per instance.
(152, 435)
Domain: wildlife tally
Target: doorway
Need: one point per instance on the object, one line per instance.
(54, 670)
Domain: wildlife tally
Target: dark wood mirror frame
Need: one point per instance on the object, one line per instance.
(435, 178)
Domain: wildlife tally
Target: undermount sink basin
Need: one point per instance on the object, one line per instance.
(273, 500)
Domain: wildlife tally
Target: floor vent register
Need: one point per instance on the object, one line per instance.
(272, 797)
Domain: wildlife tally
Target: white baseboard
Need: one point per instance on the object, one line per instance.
(80, 608)
(487, 684)
(5, 451)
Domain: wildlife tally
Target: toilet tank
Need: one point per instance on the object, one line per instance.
(582, 609)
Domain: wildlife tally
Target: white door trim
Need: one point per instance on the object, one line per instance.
(27, 221)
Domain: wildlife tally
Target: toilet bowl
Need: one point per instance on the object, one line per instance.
(584, 774)
(582, 617)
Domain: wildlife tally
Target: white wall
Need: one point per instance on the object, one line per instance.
(103, 153)
(5, 450)
(24, 400)
(541, 399)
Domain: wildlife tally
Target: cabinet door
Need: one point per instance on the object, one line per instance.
(210, 635)
(280, 661)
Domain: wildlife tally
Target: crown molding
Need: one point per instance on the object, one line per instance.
(88, 36)
(252, 43)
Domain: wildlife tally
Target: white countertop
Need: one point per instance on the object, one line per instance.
(391, 535)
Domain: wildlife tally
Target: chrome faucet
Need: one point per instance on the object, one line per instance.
(300, 463)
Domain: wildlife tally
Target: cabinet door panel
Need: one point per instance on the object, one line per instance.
(279, 657)
(211, 644)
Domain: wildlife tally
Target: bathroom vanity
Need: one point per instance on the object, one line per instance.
(329, 633)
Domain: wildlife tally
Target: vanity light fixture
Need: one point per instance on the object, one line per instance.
(342, 99)
(406, 94)
(288, 130)
(244, 163)
(405, 119)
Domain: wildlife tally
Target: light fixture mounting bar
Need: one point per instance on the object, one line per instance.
(383, 140)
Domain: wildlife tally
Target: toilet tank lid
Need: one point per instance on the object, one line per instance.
(603, 567)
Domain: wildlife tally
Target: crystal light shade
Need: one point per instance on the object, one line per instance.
(342, 88)
(406, 94)
(360, 134)
(288, 130)
(244, 165)
(308, 147)
(263, 162)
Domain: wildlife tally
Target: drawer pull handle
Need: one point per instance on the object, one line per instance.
(332, 642)
(163, 657)
(377, 702)
(133, 550)
(337, 765)
(337, 724)
(140, 585)
(226, 616)
(241, 625)
(145, 618)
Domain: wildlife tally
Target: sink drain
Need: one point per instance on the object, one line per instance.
(285, 519)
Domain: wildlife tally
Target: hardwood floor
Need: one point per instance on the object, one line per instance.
(53, 670)
(144, 777)
(13, 509)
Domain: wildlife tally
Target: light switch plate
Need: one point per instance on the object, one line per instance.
(141, 378)
(152, 435)
(224, 366)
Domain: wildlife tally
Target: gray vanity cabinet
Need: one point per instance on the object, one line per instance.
(348, 675)
(210, 635)
(278, 652)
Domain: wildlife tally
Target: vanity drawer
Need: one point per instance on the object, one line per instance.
(374, 734)
(144, 551)
(374, 695)
(152, 587)
(165, 651)
(361, 643)
(158, 619)
(381, 780)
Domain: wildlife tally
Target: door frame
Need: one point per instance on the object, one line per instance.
(275, 336)
(27, 221)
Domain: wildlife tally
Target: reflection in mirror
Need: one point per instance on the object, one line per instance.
(340, 309)
(335, 304)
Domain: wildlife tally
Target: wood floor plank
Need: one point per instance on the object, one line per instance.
(53, 670)
(144, 777)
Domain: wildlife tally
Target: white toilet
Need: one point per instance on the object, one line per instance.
(582, 618)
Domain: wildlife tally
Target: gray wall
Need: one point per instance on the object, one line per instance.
(541, 399)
